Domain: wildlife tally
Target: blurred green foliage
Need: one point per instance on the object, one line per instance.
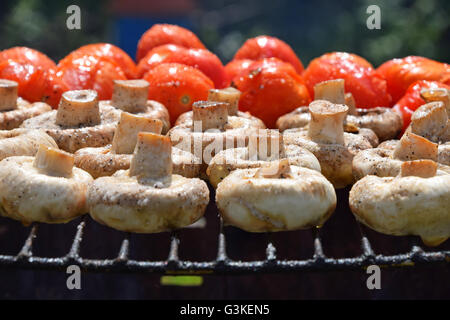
(408, 27)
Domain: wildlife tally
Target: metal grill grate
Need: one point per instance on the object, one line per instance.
(222, 264)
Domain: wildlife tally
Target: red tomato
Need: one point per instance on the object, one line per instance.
(202, 59)
(368, 88)
(268, 47)
(91, 72)
(412, 99)
(27, 55)
(401, 73)
(271, 88)
(235, 67)
(161, 34)
(108, 51)
(177, 86)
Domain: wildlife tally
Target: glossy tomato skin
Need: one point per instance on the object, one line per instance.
(177, 86)
(160, 34)
(27, 55)
(271, 88)
(401, 73)
(236, 67)
(202, 59)
(107, 51)
(368, 88)
(269, 47)
(411, 100)
(91, 72)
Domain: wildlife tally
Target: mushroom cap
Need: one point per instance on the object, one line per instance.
(154, 110)
(100, 162)
(70, 138)
(229, 160)
(385, 122)
(335, 159)
(14, 118)
(23, 142)
(301, 199)
(123, 203)
(28, 195)
(404, 205)
(185, 119)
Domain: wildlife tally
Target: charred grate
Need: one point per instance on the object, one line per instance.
(222, 264)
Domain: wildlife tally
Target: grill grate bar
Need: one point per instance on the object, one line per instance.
(124, 249)
(27, 249)
(174, 244)
(74, 252)
(221, 250)
(318, 250)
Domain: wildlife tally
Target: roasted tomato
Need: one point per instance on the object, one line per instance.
(235, 67)
(368, 88)
(91, 72)
(27, 55)
(161, 34)
(177, 86)
(412, 99)
(108, 51)
(271, 88)
(202, 59)
(268, 47)
(401, 73)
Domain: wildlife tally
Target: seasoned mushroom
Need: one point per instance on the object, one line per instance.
(326, 139)
(132, 96)
(387, 159)
(23, 142)
(231, 97)
(264, 147)
(15, 110)
(416, 202)
(431, 121)
(79, 122)
(104, 161)
(275, 198)
(46, 188)
(384, 122)
(148, 198)
(211, 131)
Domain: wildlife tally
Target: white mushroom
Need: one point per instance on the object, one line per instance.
(230, 96)
(326, 139)
(23, 142)
(148, 198)
(264, 147)
(14, 110)
(416, 202)
(276, 198)
(79, 121)
(46, 188)
(104, 161)
(431, 121)
(384, 122)
(132, 96)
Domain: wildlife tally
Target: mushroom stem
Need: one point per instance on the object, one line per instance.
(211, 115)
(275, 169)
(327, 122)
(330, 90)
(439, 94)
(78, 107)
(350, 103)
(53, 162)
(414, 147)
(228, 95)
(430, 120)
(419, 168)
(152, 159)
(125, 135)
(8, 94)
(266, 145)
(130, 95)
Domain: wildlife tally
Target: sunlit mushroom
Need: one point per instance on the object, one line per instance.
(46, 188)
(148, 198)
